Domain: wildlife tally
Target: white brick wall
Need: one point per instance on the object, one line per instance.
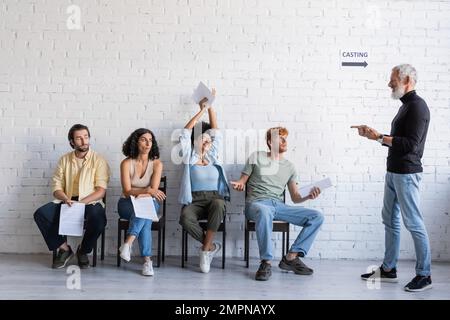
(135, 62)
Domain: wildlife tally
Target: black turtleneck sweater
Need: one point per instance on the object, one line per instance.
(409, 131)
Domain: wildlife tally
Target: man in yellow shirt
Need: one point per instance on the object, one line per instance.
(81, 175)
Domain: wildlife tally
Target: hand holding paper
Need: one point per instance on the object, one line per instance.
(144, 207)
(71, 220)
(202, 92)
(314, 193)
(322, 184)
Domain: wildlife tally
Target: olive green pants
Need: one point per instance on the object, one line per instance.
(205, 205)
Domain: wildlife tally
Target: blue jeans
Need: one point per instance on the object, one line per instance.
(401, 194)
(139, 227)
(263, 212)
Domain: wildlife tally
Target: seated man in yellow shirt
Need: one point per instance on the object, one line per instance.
(81, 175)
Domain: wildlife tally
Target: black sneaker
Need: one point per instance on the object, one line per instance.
(383, 276)
(264, 271)
(62, 257)
(295, 265)
(83, 260)
(419, 283)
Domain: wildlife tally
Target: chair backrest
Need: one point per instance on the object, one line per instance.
(163, 188)
(163, 184)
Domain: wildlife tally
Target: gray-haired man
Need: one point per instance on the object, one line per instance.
(406, 144)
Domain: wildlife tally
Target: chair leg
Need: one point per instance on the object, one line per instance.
(247, 247)
(94, 256)
(287, 241)
(185, 246)
(164, 242)
(158, 262)
(124, 235)
(182, 248)
(102, 256)
(224, 245)
(283, 244)
(119, 236)
(54, 254)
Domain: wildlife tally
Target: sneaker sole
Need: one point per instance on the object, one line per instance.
(387, 280)
(65, 262)
(206, 266)
(419, 290)
(287, 267)
(125, 259)
(263, 279)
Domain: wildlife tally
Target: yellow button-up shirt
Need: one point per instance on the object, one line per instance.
(94, 173)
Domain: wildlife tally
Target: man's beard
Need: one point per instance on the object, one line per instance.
(398, 92)
(278, 150)
(83, 148)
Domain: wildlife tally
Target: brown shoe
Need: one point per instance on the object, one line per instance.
(61, 258)
(295, 265)
(83, 260)
(264, 271)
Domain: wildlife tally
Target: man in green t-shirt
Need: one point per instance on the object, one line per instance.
(266, 175)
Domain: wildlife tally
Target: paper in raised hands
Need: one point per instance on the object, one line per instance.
(202, 91)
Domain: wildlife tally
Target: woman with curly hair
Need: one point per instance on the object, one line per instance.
(140, 175)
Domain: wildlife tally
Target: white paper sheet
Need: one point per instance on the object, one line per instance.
(201, 92)
(322, 184)
(144, 208)
(71, 220)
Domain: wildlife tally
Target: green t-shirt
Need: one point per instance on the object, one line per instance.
(268, 177)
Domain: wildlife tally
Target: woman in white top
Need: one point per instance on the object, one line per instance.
(140, 175)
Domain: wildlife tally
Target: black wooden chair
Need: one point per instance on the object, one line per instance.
(160, 226)
(277, 226)
(204, 224)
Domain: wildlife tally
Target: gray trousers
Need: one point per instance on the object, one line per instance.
(205, 205)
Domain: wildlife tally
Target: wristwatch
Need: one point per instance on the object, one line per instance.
(380, 138)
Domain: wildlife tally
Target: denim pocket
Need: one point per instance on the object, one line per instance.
(414, 179)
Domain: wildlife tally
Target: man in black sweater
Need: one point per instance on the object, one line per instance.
(406, 143)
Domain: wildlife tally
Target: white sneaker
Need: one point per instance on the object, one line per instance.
(147, 268)
(125, 252)
(217, 248)
(205, 261)
(213, 252)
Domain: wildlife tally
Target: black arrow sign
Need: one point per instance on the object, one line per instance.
(354, 64)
